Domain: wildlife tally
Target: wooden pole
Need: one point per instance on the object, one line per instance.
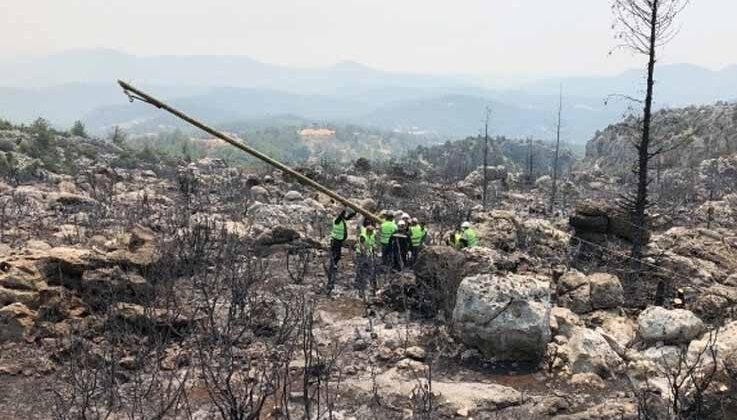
(134, 93)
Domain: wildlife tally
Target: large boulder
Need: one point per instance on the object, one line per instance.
(672, 326)
(16, 321)
(588, 352)
(505, 317)
(439, 271)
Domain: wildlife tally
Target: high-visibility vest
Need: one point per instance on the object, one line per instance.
(339, 231)
(366, 241)
(470, 236)
(457, 240)
(417, 234)
(386, 231)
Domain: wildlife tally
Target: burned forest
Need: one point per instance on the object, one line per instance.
(248, 241)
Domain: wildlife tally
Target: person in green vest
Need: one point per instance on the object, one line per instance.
(417, 234)
(454, 239)
(365, 253)
(338, 235)
(386, 231)
(468, 236)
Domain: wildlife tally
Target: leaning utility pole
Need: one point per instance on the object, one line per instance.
(134, 93)
(554, 188)
(486, 155)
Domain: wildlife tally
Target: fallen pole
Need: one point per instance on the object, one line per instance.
(134, 93)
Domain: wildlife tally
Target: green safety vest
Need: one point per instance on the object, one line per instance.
(367, 242)
(470, 236)
(386, 231)
(457, 241)
(338, 232)
(417, 233)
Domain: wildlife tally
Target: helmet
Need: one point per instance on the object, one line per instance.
(415, 221)
(402, 223)
(465, 225)
(405, 216)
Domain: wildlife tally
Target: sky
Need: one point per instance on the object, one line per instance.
(524, 38)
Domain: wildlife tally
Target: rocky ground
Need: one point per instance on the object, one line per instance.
(196, 291)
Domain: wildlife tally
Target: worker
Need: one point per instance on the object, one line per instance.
(417, 234)
(366, 244)
(338, 234)
(468, 236)
(401, 246)
(365, 253)
(454, 239)
(386, 230)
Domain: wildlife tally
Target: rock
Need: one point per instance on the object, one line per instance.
(439, 270)
(715, 301)
(416, 353)
(39, 245)
(588, 352)
(16, 321)
(590, 380)
(574, 292)
(619, 327)
(293, 196)
(360, 344)
(725, 343)
(72, 202)
(103, 286)
(565, 321)
(26, 297)
(595, 224)
(670, 326)
(506, 318)
(259, 193)
(145, 319)
(277, 235)
(606, 291)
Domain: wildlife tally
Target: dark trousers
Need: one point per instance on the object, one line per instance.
(415, 250)
(386, 254)
(336, 247)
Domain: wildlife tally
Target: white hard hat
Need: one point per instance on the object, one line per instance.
(466, 225)
(402, 223)
(415, 220)
(405, 216)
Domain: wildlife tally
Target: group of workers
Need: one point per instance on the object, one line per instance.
(399, 243)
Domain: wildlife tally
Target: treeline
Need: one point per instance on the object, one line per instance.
(455, 160)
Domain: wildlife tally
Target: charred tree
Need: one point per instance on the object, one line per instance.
(556, 156)
(486, 157)
(644, 26)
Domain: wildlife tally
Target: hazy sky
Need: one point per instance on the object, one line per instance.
(507, 37)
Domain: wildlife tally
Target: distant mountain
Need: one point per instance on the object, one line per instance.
(675, 85)
(106, 66)
(81, 84)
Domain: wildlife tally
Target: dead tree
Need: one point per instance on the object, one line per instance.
(643, 27)
(486, 156)
(556, 157)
